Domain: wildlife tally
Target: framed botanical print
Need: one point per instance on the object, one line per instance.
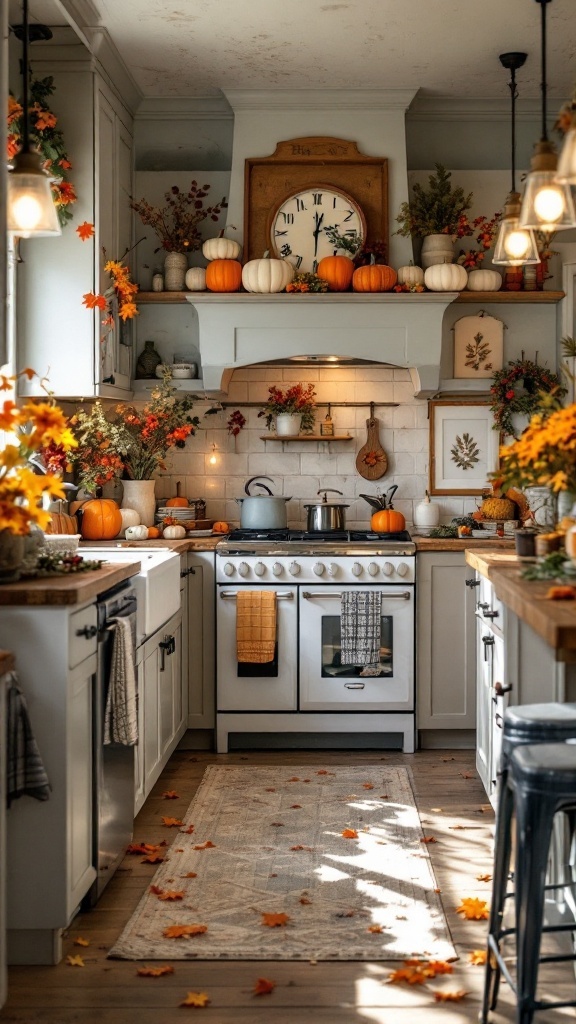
(463, 447)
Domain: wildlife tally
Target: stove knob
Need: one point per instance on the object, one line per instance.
(318, 569)
(402, 569)
(357, 569)
(228, 569)
(387, 568)
(373, 568)
(243, 568)
(277, 568)
(259, 568)
(294, 569)
(333, 569)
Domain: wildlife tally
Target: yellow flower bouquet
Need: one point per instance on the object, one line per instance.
(545, 454)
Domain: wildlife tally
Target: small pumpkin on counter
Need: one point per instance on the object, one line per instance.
(221, 248)
(446, 277)
(178, 501)
(195, 279)
(153, 533)
(337, 271)
(267, 275)
(130, 517)
(388, 520)
(223, 276)
(484, 281)
(101, 519)
(220, 527)
(410, 275)
(375, 277)
(61, 522)
(173, 533)
(137, 532)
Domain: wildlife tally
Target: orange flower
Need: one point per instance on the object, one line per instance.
(92, 301)
(128, 310)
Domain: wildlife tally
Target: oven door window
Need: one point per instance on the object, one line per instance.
(331, 663)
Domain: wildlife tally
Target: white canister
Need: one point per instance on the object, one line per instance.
(157, 282)
(426, 513)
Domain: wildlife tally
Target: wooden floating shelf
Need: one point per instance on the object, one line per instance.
(167, 298)
(306, 437)
(502, 296)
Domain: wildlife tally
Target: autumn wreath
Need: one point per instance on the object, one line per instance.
(517, 389)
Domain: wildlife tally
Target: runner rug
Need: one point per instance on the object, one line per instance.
(276, 863)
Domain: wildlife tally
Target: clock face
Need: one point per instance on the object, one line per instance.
(301, 225)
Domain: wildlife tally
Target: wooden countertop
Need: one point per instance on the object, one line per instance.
(487, 560)
(180, 546)
(461, 544)
(7, 662)
(74, 588)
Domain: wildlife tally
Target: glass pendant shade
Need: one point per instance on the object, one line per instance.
(515, 246)
(547, 204)
(566, 173)
(31, 210)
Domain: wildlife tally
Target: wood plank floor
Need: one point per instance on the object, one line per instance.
(453, 807)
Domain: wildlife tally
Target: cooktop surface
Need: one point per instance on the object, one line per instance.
(318, 535)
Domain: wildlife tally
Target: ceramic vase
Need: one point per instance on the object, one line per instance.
(12, 550)
(288, 424)
(175, 267)
(436, 249)
(139, 495)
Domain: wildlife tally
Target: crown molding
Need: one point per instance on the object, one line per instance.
(320, 99)
(446, 108)
(182, 108)
(110, 61)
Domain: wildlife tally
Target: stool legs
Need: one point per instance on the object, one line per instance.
(502, 854)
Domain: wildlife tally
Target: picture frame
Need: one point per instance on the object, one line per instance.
(464, 447)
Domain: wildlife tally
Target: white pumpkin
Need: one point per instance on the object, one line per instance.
(196, 279)
(137, 533)
(221, 248)
(410, 275)
(173, 532)
(267, 275)
(484, 281)
(130, 517)
(445, 277)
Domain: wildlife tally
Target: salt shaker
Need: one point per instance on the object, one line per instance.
(157, 282)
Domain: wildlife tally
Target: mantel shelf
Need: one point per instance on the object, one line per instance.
(166, 298)
(306, 437)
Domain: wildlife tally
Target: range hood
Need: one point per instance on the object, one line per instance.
(402, 330)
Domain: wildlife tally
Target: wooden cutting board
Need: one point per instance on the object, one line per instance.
(372, 461)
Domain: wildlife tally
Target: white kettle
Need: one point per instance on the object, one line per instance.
(426, 513)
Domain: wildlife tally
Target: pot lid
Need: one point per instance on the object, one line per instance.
(264, 497)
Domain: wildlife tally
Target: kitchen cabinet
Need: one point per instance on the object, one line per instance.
(49, 844)
(492, 692)
(199, 639)
(445, 650)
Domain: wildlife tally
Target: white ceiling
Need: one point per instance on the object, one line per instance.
(444, 47)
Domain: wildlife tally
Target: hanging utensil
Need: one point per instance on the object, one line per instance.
(372, 461)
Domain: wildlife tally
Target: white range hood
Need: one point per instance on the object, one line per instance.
(399, 329)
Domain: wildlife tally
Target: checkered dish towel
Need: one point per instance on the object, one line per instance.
(121, 715)
(360, 627)
(26, 774)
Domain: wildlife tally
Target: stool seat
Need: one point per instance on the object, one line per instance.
(538, 723)
(547, 768)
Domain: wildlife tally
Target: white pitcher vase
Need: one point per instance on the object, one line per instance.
(139, 495)
(288, 423)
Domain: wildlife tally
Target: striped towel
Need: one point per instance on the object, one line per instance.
(26, 774)
(360, 627)
(121, 714)
(255, 626)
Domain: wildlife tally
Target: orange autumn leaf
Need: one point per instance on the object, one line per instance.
(473, 909)
(305, 901)
(349, 833)
(367, 785)
(152, 858)
(450, 997)
(477, 957)
(376, 929)
(466, 775)
(171, 822)
(208, 845)
(263, 987)
(75, 961)
(85, 230)
(295, 807)
(92, 301)
(270, 789)
(170, 794)
(300, 847)
(295, 778)
(141, 848)
(198, 999)
(428, 839)
(184, 931)
(156, 890)
(483, 878)
(171, 894)
(274, 920)
(190, 874)
(155, 972)
(79, 941)
(434, 967)
(411, 975)
(187, 831)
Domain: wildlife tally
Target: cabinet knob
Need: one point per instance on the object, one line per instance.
(187, 572)
(501, 688)
(109, 380)
(87, 631)
(491, 615)
(472, 583)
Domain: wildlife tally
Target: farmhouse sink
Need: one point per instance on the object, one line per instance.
(157, 583)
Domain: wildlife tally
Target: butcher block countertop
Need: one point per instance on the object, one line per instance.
(180, 546)
(460, 544)
(70, 589)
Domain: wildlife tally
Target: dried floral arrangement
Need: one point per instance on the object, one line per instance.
(435, 210)
(306, 282)
(176, 223)
(298, 398)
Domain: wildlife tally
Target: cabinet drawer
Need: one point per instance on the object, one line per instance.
(82, 635)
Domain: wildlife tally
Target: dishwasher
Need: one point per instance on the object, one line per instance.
(112, 763)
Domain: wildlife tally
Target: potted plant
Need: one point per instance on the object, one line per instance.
(293, 409)
(436, 214)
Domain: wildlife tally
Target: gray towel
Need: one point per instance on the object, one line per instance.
(360, 627)
(26, 774)
(121, 716)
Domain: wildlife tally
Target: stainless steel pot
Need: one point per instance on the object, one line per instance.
(326, 515)
(262, 511)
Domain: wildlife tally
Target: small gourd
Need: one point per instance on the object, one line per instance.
(410, 275)
(375, 277)
(484, 281)
(173, 532)
(337, 271)
(178, 501)
(221, 248)
(446, 277)
(196, 279)
(101, 519)
(267, 275)
(137, 532)
(223, 276)
(387, 520)
(130, 517)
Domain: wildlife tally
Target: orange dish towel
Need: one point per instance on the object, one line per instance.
(255, 625)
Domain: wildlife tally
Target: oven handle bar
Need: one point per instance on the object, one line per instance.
(404, 596)
(231, 595)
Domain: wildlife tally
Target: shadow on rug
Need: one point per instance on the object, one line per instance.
(293, 864)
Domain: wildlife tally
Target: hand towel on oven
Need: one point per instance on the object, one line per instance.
(255, 626)
(360, 627)
(26, 774)
(120, 716)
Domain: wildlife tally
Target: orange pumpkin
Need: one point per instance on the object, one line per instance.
(387, 520)
(223, 276)
(153, 533)
(101, 519)
(376, 277)
(220, 527)
(177, 501)
(337, 271)
(60, 522)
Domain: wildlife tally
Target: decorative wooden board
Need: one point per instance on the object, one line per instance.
(372, 470)
(302, 163)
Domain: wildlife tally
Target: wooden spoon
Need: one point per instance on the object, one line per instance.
(372, 461)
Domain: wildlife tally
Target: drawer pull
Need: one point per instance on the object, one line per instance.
(187, 572)
(499, 720)
(354, 686)
(87, 631)
(491, 615)
(501, 688)
(472, 583)
(483, 605)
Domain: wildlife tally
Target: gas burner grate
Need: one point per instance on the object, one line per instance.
(258, 535)
(318, 535)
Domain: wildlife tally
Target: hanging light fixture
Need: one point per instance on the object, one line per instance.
(547, 204)
(31, 210)
(515, 246)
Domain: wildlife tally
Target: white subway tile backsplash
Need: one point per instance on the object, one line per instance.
(318, 463)
(270, 464)
(403, 392)
(401, 374)
(373, 391)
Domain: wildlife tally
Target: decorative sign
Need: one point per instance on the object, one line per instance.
(478, 346)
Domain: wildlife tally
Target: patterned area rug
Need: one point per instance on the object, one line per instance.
(294, 863)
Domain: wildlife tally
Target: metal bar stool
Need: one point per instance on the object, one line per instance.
(542, 781)
(523, 724)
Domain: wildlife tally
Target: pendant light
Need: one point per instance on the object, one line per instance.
(547, 204)
(515, 246)
(31, 210)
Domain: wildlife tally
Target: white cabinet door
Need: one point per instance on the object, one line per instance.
(484, 650)
(199, 665)
(80, 854)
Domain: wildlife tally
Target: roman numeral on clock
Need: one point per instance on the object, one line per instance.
(317, 196)
(288, 218)
(300, 204)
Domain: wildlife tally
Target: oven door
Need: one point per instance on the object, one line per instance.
(326, 684)
(267, 687)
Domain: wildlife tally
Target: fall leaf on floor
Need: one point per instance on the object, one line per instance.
(450, 997)
(156, 890)
(179, 849)
(376, 929)
(477, 957)
(141, 848)
(295, 807)
(346, 913)
(270, 789)
(428, 839)
(273, 874)
(349, 833)
(190, 874)
(187, 831)
(483, 878)
(367, 785)
(152, 858)
(171, 894)
(323, 771)
(75, 961)
(434, 967)
(299, 847)
(277, 824)
(305, 901)
(163, 843)
(411, 975)
(79, 941)
(466, 775)
(473, 909)
(170, 794)
(274, 920)
(155, 972)
(438, 891)
(306, 780)
(183, 931)
(383, 796)
(208, 845)
(197, 999)
(447, 758)
(295, 778)
(172, 822)
(263, 987)
(85, 231)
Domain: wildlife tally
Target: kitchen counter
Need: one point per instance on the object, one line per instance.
(70, 589)
(180, 546)
(461, 543)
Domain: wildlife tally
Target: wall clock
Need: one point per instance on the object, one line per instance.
(298, 226)
(308, 165)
